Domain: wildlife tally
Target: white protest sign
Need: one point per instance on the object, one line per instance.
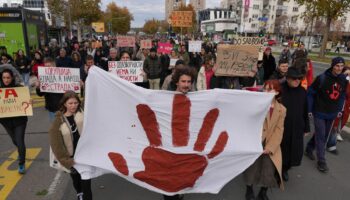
(173, 62)
(128, 70)
(194, 46)
(59, 79)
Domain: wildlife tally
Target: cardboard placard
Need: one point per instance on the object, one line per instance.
(15, 102)
(236, 60)
(146, 44)
(194, 46)
(99, 27)
(127, 70)
(256, 41)
(181, 18)
(164, 48)
(59, 79)
(125, 41)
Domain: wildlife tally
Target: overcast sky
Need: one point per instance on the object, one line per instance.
(148, 9)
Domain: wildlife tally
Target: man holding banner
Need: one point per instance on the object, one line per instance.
(13, 113)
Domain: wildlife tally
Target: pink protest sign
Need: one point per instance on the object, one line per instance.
(125, 41)
(164, 48)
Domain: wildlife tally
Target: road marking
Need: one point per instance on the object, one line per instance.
(9, 178)
(56, 181)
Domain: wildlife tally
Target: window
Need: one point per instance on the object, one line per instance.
(295, 9)
(225, 15)
(272, 17)
(255, 16)
(253, 26)
(256, 7)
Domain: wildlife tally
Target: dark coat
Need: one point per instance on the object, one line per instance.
(52, 100)
(152, 67)
(64, 62)
(296, 124)
(269, 65)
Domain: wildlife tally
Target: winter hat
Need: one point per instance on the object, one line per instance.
(337, 60)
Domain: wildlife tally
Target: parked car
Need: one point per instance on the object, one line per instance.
(271, 42)
(315, 45)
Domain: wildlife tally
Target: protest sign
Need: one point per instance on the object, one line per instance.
(59, 79)
(164, 48)
(214, 134)
(146, 44)
(236, 60)
(256, 41)
(173, 62)
(99, 27)
(194, 46)
(127, 70)
(15, 102)
(181, 18)
(125, 41)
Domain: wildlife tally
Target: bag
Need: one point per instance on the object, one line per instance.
(54, 163)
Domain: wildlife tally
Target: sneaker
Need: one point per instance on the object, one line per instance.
(310, 155)
(322, 167)
(21, 169)
(339, 137)
(334, 152)
(80, 196)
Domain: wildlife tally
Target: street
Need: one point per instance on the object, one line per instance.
(43, 182)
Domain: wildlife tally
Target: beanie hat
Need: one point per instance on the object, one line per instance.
(337, 60)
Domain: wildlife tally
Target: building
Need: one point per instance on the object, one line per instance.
(289, 20)
(171, 5)
(218, 22)
(254, 15)
(35, 5)
(198, 4)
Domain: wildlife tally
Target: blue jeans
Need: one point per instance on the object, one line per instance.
(319, 139)
(332, 141)
(52, 116)
(25, 77)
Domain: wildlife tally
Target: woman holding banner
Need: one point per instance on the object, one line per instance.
(266, 170)
(64, 135)
(15, 126)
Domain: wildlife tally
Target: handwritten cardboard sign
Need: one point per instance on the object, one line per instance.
(194, 46)
(236, 60)
(256, 41)
(59, 79)
(125, 41)
(127, 70)
(181, 18)
(146, 44)
(164, 48)
(15, 102)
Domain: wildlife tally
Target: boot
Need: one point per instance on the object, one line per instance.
(262, 194)
(249, 194)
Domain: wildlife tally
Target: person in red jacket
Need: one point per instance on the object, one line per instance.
(37, 62)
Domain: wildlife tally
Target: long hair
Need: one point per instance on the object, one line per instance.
(13, 82)
(275, 84)
(68, 95)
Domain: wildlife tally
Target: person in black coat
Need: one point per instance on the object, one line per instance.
(63, 60)
(15, 126)
(296, 123)
(269, 63)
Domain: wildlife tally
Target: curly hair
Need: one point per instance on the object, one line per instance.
(183, 71)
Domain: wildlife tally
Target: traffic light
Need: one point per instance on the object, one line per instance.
(261, 33)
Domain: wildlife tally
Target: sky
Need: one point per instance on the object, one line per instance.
(148, 9)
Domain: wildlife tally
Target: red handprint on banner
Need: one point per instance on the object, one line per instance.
(169, 171)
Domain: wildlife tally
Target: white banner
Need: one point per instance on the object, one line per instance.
(127, 70)
(194, 46)
(168, 142)
(59, 79)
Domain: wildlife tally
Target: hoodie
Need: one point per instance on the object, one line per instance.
(326, 95)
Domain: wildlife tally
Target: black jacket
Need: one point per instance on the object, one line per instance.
(64, 62)
(23, 64)
(269, 65)
(52, 100)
